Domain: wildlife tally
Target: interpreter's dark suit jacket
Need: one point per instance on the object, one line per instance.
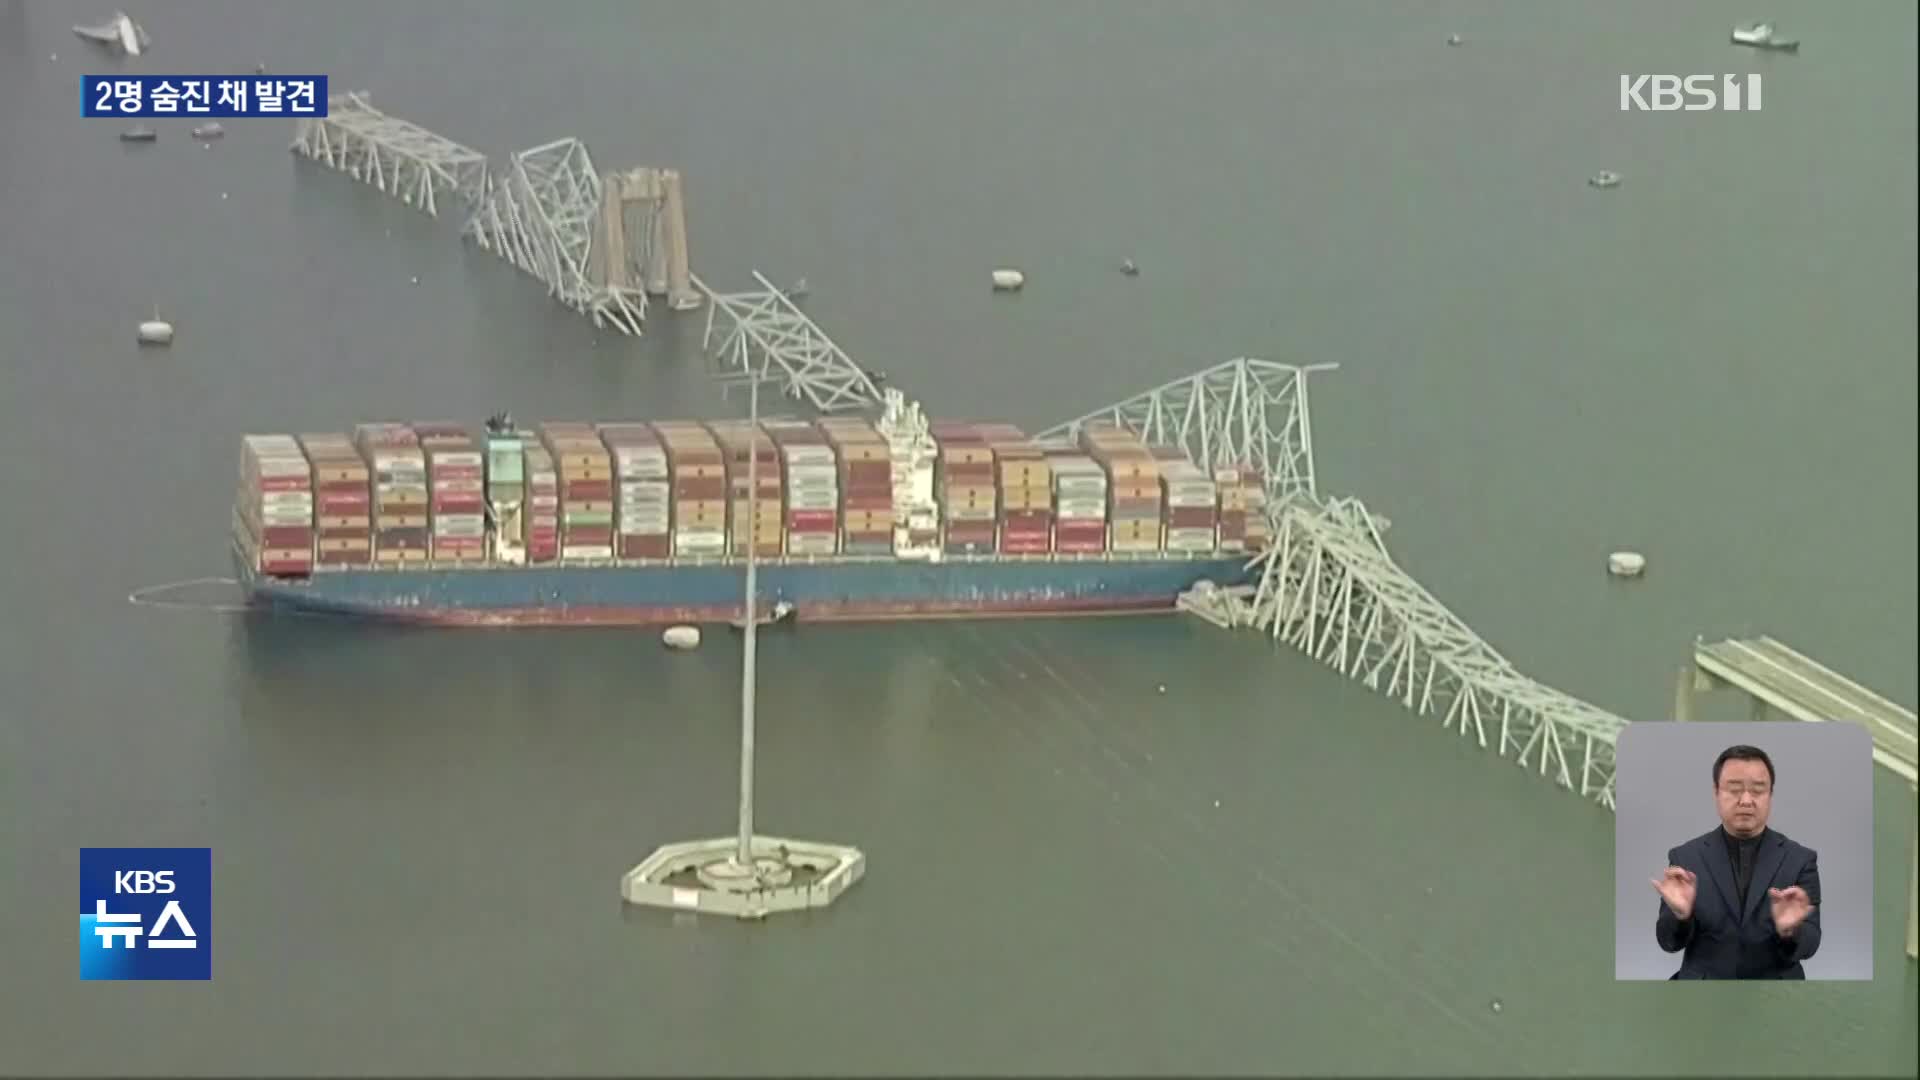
(1728, 940)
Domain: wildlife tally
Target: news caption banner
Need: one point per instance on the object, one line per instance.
(211, 96)
(146, 914)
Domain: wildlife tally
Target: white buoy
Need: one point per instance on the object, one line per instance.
(681, 637)
(1626, 564)
(156, 331)
(1008, 280)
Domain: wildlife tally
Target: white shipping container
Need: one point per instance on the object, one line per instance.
(827, 543)
(471, 459)
(586, 552)
(458, 487)
(450, 531)
(813, 500)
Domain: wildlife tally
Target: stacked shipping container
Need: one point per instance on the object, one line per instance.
(1253, 492)
(543, 502)
(750, 512)
(866, 486)
(342, 501)
(1080, 504)
(274, 508)
(812, 485)
(967, 488)
(456, 480)
(698, 475)
(1026, 491)
(1133, 494)
(1192, 505)
(645, 496)
(586, 490)
(399, 471)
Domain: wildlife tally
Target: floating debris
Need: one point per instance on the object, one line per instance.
(681, 637)
(1454, 39)
(1128, 268)
(156, 331)
(1627, 564)
(1008, 280)
(1605, 178)
(210, 130)
(1496, 1006)
(797, 290)
(139, 133)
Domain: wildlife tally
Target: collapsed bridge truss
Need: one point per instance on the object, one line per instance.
(1328, 587)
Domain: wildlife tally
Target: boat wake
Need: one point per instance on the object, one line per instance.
(215, 594)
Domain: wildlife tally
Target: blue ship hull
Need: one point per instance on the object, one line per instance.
(818, 590)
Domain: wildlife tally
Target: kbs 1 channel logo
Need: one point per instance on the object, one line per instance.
(146, 913)
(203, 96)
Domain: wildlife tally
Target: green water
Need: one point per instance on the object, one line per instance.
(419, 836)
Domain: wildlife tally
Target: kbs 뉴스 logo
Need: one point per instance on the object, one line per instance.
(146, 913)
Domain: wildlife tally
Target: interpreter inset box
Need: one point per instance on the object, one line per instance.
(1743, 851)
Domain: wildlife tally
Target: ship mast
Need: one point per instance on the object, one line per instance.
(743, 857)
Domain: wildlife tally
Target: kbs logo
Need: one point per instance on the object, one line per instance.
(1691, 93)
(146, 913)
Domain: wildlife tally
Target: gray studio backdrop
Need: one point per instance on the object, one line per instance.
(1823, 798)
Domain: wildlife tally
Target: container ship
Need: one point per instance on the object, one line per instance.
(637, 523)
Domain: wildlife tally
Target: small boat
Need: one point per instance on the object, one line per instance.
(681, 637)
(1604, 179)
(209, 130)
(1008, 280)
(120, 32)
(1128, 268)
(1761, 36)
(1626, 564)
(138, 133)
(1454, 39)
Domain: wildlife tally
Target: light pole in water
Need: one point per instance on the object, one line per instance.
(746, 875)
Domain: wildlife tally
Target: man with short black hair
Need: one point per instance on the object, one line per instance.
(1710, 895)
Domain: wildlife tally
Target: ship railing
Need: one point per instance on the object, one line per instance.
(779, 560)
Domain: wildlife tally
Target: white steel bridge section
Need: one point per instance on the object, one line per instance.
(1328, 587)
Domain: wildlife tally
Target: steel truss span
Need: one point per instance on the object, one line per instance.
(1240, 413)
(599, 242)
(540, 216)
(1328, 587)
(401, 159)
(762, 331)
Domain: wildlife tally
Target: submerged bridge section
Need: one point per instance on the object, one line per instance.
(762, 331)
(1777, 677)
(599, 243)
(1328, 587)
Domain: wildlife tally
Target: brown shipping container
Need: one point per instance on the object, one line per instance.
(1191, 517)
(645, 547)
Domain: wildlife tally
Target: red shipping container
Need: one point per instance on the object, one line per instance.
(645, 547)
(590, 534)
(286, 536)
(587, 490)
(451, 507)
(283, 483)
(455, 472)
(287, 567)
(1025, 547)
(1080, 547)
(343, 503)
(812, 520)
(1026, 519)
(1190, 517)
(700, 488)
(343, 487)
(345, 534)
